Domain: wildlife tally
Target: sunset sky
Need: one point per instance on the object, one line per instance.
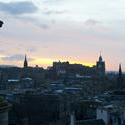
(52, 30)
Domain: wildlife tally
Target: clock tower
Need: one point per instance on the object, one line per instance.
(100, 66)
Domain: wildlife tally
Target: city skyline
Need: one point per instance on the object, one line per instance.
(30, 62)
(66, 30)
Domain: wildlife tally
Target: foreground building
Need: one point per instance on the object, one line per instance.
(4, 106)
(33, 108)
(112, 114)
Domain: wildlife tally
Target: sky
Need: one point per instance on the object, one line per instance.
(52, 30)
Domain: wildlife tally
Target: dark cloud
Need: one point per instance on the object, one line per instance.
(91, 22)
(18, 57)
(16, 8)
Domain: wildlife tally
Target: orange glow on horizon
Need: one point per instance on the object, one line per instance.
(48, 62)
(45, 62)
(1, 56)
(84, 63)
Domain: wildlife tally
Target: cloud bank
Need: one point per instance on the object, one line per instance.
(16, 8)
(18, 57)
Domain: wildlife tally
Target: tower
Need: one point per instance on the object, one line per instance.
(120, 80)
(25, 62)
(100, 66)
(120, 70)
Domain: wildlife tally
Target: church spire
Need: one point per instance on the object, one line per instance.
(100, 65)
(100, 57)
(25, 62)
(120, 70)
(120, 80)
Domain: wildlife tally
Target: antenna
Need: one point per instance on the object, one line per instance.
(100, 53)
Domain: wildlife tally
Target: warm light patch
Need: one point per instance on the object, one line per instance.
(88, 64)
(43, 61)
(84, 63)
(1, 56)
(47, 61)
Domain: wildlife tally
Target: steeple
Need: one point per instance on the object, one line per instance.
(100, 66)
(100, 57)
(120, 70)
(120, 80)
(25, 62)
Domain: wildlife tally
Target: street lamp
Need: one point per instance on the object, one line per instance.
(1, 23)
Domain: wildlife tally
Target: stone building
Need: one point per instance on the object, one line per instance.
(112, 114)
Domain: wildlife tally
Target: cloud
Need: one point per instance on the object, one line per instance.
(91, 22)
(17, 57)
(16, 8)
(52, 1)
(49, 12)
(44, 24)
(31, 49)
(2, 51)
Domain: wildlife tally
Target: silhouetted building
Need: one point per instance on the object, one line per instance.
(100, 65)
(25, 62)
(60, 67)
(4, 106)
(38, 109)
(65, 68)
(26, 83)
(120, 80)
